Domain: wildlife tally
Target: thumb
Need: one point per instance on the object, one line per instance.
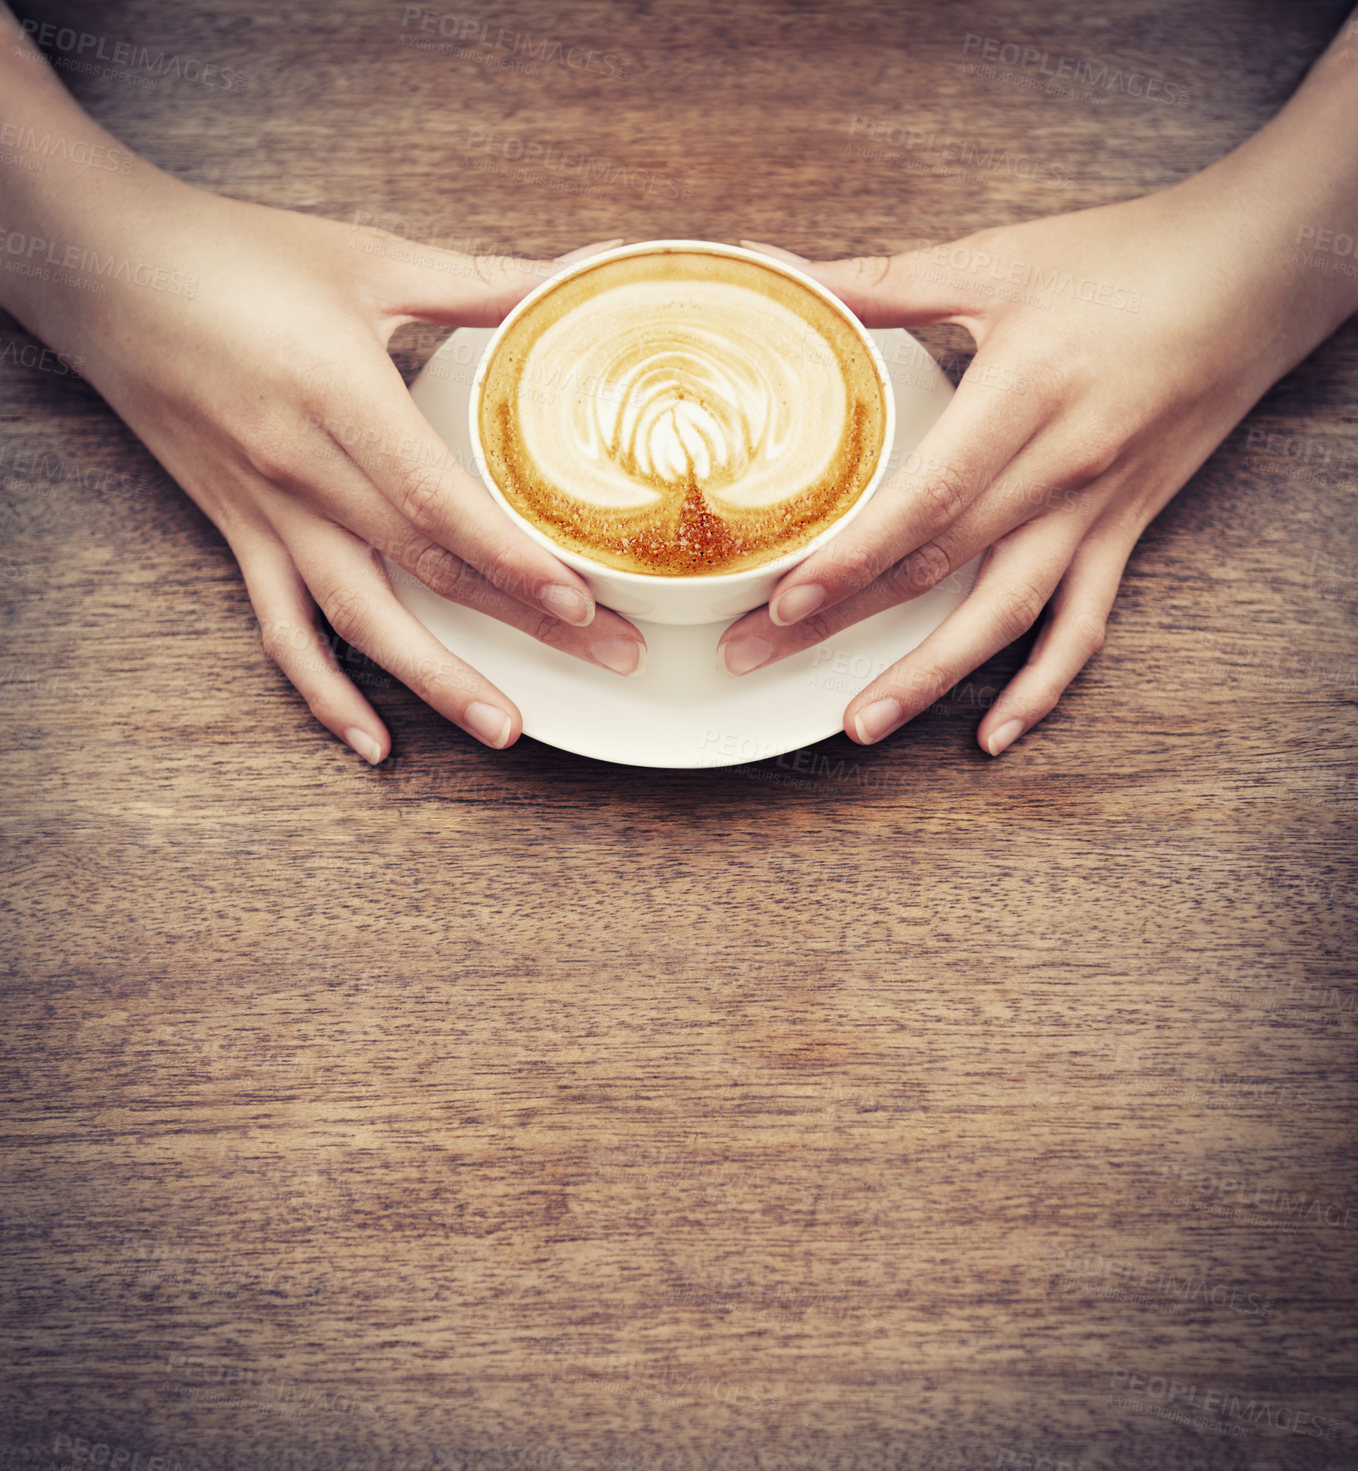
(908, 290)
(425, 284)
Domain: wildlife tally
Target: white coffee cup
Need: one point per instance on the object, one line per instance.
(705, 598)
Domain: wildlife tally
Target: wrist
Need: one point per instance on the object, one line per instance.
(73, 199)
(1264, 302)
(71, 235)
(1271, 229)
(1291, 193)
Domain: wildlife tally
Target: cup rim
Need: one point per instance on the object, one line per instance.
(714, 580)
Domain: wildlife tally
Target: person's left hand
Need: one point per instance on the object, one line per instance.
(1083, 412)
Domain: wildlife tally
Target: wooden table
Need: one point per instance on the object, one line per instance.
(856, 1109)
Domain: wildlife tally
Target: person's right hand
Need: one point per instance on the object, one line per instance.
(267, 392)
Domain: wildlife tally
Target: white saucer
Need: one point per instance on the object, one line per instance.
(682, 712)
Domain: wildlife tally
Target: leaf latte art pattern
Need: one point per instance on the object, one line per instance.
(680, 413)
(701, 408)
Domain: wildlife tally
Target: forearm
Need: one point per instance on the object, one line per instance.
(1307, 155)
(1290, 195)
(73, 199)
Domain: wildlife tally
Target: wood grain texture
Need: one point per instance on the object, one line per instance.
(858, 1109)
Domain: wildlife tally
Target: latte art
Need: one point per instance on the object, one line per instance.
(655, 397)
(680, 413)
(703, 406)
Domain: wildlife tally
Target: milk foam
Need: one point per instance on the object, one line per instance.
(650, 395)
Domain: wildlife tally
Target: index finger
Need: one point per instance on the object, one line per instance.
(426, 482)
(971, 443)
(427, 284)
(886, 290)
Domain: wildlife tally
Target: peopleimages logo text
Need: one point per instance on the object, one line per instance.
(37, 255)
(418, 22)
(1222, 1406)
(1099, 76)
(57, 146)
(80, 49)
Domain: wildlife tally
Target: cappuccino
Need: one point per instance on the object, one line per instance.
(681, 412)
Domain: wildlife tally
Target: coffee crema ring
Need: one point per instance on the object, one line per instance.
(681, 413)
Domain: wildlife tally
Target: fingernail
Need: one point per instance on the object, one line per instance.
(621, 655)
(873, 722)
(740, 655)
(797, 604)
(363, 743)
(568, 604)
(1005, 737)
(488, 723)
